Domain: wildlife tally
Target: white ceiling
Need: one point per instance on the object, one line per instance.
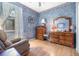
(44, 5)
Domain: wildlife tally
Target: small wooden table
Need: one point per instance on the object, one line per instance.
(10, 52)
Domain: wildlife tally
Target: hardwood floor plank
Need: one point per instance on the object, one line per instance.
(45, 48)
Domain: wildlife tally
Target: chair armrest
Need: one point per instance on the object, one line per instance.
(21, 46)
(1, 49)
(19, 43)
(15, 40)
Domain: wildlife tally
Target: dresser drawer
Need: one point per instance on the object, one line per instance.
(61, 42)
(40, 31)
(68, 43)
(69, 38)
(40, 37)
(54, 40)
(64, 38)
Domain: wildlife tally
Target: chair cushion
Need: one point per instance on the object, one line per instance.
(1, 49)
(7, 43)
(21, 46)
(16, 40)
(3, 36)
(2, 45)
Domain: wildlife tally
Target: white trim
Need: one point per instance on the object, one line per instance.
(77, 27)
(21, 24)
(9, 30)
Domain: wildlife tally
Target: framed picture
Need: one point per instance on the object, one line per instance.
(31, 19)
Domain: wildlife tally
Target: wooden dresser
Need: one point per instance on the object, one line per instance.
(40, 31)
(63, 38)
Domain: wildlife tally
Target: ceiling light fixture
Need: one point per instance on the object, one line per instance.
(39, 4)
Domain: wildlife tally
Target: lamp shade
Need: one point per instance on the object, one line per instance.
(43, 21)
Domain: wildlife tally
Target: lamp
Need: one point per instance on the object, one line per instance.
(43, 21)
(39, 4)
(71, 27)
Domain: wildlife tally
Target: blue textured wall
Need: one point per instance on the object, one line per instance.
(29, 29)
(0, 8)
(67, 9)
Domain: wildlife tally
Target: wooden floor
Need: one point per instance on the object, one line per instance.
(45, 48)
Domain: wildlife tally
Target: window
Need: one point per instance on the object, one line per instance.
(9, 24)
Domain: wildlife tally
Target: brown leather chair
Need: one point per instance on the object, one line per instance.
(22, 46)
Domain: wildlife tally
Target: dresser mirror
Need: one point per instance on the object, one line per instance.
(63, 23)
(63, 35)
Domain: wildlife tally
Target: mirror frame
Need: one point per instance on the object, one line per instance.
(66, 18)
